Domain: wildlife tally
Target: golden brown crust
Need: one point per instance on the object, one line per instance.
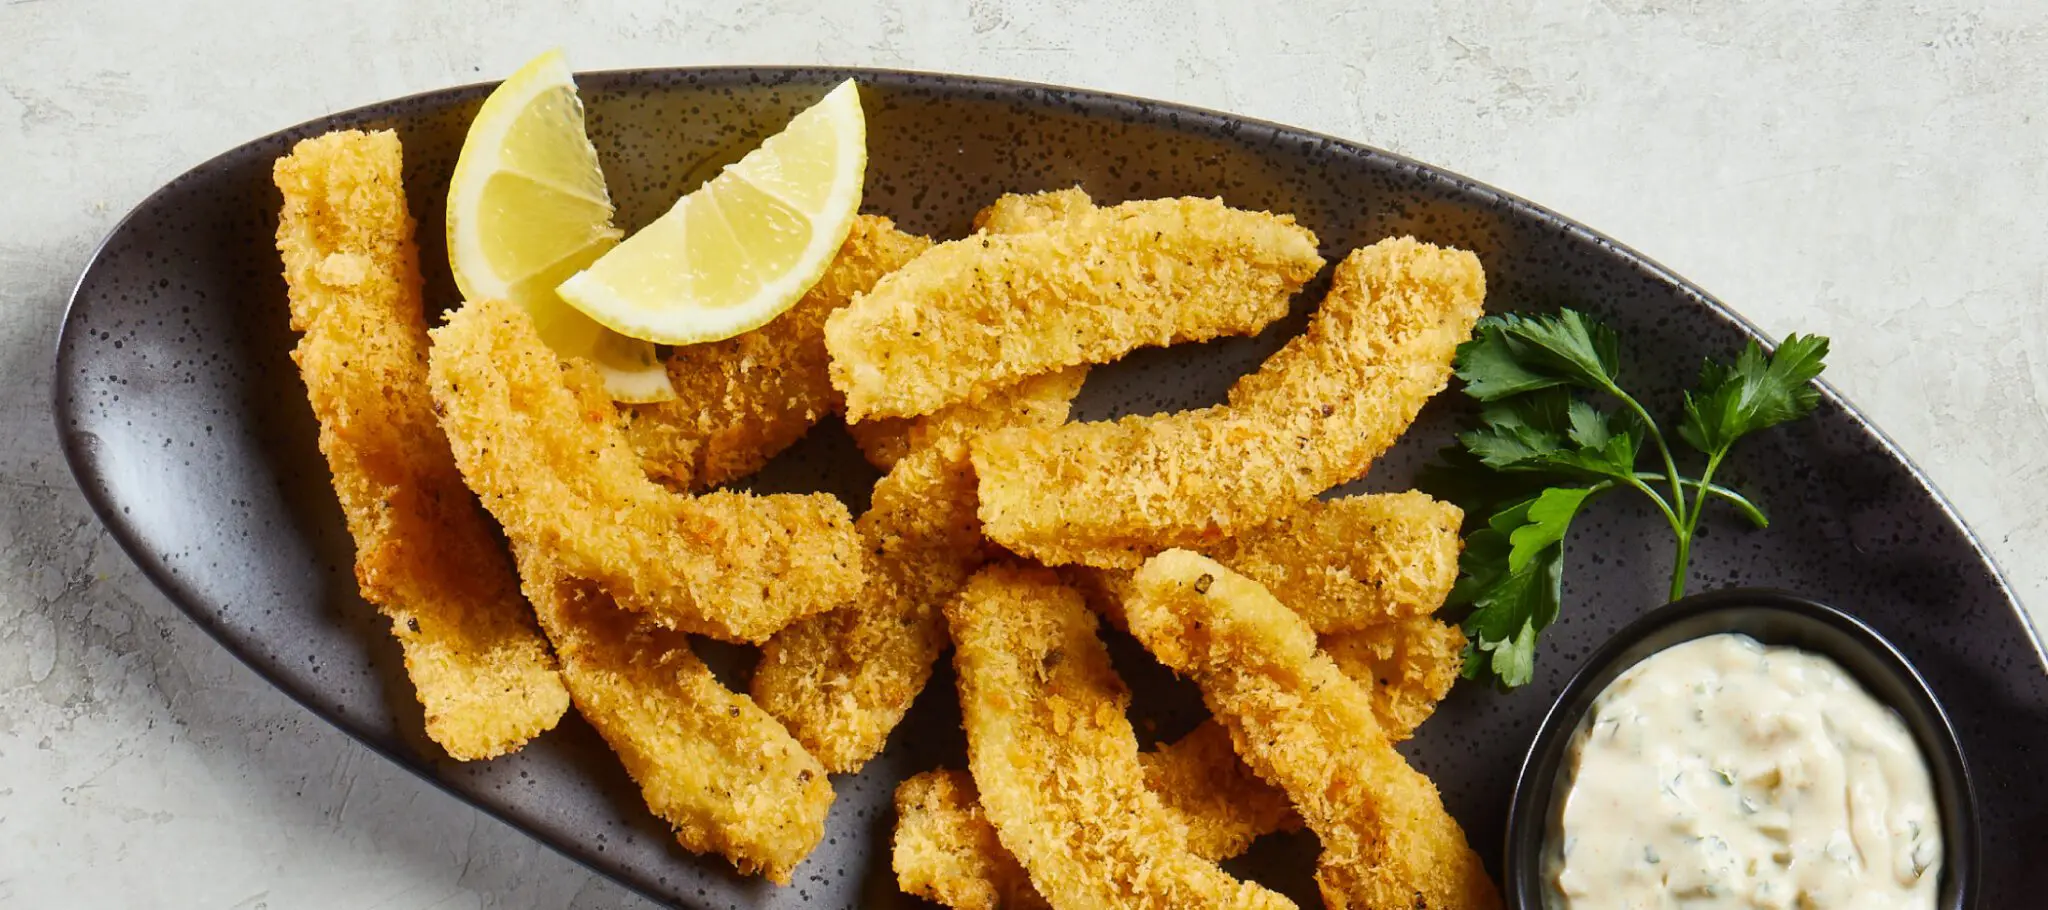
(1302, 724)
(717, 768)
(1354, 562)
(1407, 666)
(841, 680)
(1056, 760)
(1017, 213)
(1224, 805)
(1343, 564)
(425, 555)
(1315, 415)
(540, 443)
(977, 314)
(741, 401)
(1036, 401)
(947, 852)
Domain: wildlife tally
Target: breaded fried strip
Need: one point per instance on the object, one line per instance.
(717, 768)
(841, 680)
(976, 314)
(1315, 415)
(741, 401)
(1354, 562)
(1301, 723)
(425, 556)
(946, 851)
(1407, 666)
(1225, 806)
(538, 440)
(1343, 564)
(1056, 759)
(1016, 213)
(1036, 401)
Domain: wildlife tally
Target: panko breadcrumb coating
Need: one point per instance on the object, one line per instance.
(1343, 564)
(1301, 723)
(540, 443)
(1017, 213)
(980, 313)
(717, 768)
(741, 401)
(1056, 760)
(841, 680)
(1354, 562)
(1036, 401)
(425, 555)
(1223, 804)
(1407, 666)
(946, 852)
(1315, 415)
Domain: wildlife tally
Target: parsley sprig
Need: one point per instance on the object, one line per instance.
(1545, 447)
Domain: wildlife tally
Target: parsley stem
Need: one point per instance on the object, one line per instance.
(1670, 517)
(1706, 477)
(1670, 464)
(1749, 510)
(1681, 567)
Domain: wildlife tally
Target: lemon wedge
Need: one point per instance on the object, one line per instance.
(528, 207)
(744, 247)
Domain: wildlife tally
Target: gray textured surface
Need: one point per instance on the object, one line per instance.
(1863, 170)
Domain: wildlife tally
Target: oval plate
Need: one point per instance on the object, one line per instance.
(184, 422)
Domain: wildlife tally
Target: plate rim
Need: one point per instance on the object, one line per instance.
(83, 461)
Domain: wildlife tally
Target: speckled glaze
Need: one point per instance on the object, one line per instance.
(185, 423)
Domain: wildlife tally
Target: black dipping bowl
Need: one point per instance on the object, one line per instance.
(1774, 618)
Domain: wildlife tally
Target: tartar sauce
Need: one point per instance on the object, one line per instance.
(1721, 773)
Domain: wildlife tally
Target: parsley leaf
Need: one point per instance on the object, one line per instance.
(1551, 431)
(1549, 517)
(1510, 354)
(1511, 599)
(1754, 393)
(1541, 451)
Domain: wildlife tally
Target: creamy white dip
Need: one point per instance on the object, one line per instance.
(1721, 773)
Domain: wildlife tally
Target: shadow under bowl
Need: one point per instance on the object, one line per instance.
(1774, 618)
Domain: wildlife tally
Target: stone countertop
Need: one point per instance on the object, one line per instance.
(1867, 170)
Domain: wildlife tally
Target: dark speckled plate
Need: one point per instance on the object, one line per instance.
(184, 421)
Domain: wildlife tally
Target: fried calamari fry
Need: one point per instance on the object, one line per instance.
(1354, 562)
(1200, 780)
(976, 314)
(1056, 759)
(841, 680)
(1017, 213)
(1315, 415)
(540, 443)
(947, 852)
(1343, 564)
(717, 768)
(424, 555)
(740, 401)
(1301, 723)
(1036, 401)
(1407, 666)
